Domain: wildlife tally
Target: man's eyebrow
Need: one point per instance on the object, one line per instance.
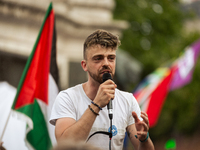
(100, 55)
(112, 55)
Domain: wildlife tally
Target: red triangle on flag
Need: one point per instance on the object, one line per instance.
(36, 75)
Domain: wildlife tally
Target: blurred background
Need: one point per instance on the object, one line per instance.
(153, 33)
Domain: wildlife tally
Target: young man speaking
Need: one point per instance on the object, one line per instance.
(80, 111)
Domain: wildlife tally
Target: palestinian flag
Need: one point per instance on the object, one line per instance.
(37, 88)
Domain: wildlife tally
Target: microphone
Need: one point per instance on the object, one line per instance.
(105, 77)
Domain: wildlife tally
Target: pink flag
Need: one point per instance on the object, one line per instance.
(184, 66)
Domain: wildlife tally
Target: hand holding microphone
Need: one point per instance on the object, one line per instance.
(106, 92)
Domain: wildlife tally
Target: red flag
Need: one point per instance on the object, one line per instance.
(157, 99)
(151, 93)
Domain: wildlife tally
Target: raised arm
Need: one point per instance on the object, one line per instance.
(138, 133)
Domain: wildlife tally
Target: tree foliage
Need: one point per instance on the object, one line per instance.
(157, 36)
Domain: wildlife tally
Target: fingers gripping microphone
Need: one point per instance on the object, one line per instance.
(105, 77)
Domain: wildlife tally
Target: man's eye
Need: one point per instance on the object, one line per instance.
(112, 58)
(97, 58)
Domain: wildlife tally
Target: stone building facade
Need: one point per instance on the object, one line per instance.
(20, 22)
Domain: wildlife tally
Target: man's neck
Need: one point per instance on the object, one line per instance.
(91, 89)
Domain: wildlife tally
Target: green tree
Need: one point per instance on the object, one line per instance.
(156, 36)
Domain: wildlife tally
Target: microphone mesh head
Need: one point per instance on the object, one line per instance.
(106, 76)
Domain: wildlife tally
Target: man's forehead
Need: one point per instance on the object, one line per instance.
(101, 50)
(103, 53)
(96, 50)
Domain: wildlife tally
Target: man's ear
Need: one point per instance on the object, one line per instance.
(84, 65)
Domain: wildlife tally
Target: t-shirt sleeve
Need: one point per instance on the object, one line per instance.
(134, 106)
(62, 107)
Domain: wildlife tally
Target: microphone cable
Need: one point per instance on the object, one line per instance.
(110, 135)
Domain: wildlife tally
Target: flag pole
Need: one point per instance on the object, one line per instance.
(4, 129)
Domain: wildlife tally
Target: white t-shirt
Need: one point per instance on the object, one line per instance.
(73, 102)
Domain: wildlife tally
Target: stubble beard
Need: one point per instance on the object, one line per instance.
(95, 77)
(98, 77)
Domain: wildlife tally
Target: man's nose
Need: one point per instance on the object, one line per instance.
(106, 62)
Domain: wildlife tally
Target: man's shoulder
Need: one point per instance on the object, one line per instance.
(125, 95)
(72, 89)
(70, 93)
(123, 92)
